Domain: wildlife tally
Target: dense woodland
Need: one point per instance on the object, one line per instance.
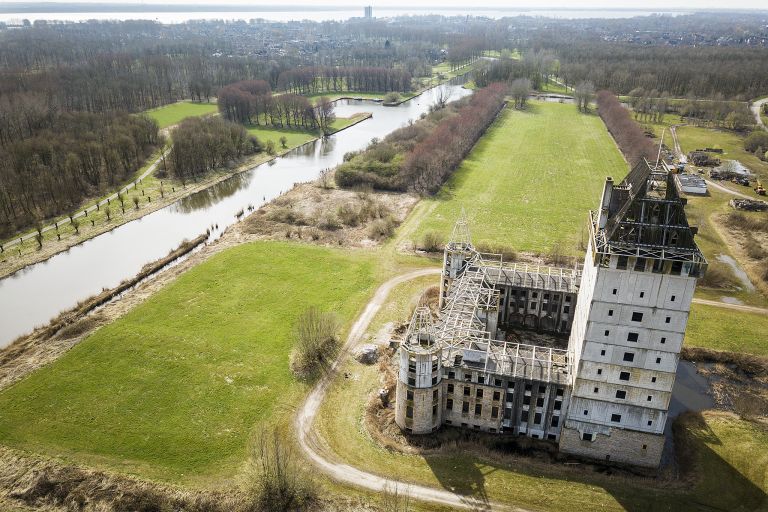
(421, 156)
(49, 166)
(202, 145)
(252, 102)
(320, 79)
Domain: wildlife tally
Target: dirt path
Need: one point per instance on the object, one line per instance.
(727, 190)
(755, 108)
(316, 449)
(737, 307)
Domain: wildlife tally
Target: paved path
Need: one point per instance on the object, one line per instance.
(81, 213)
(755, 107)
(737, 307)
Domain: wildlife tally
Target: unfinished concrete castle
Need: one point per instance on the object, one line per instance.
(607, 395)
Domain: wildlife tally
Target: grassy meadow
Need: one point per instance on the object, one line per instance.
(530, 181)
(174, 113)
(175, 389)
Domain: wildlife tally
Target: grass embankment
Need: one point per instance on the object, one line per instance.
(296, 138)
(729, 456)
(728, 330)
(175, 389)
(529, 182)
(174, 113)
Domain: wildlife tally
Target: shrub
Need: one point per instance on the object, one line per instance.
(350, 215)
(755, 140)
(288, 216)
(508, 253)
(316, 342)
(754, 249)
(432, 242)
(270, 147)
(329, 222)
(391, 97)
(281, 481)
(382, 228)
(718, 276)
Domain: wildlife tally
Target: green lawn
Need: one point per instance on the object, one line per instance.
(530, 181)
(176, 388)
(729, 330)
(295, 137)
(176, 112)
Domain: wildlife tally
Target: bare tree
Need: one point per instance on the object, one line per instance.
(325, 114)
(316, 342)
(520, 89)
(281, 482)
(442, 97)
(584, 93)
(395, 500)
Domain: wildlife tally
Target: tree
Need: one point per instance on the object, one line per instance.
(756, 139)
(283, 141)
(316, 335)
(738, 121)
(583, 94)
(520, 89)
(324, 112)
(391, 98)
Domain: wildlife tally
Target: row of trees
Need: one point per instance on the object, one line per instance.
(201, 145)
(715, 112)
(422, 155)
(65, 160)
(317, 79)
(252, 102)
(436, 157)
(627, 133)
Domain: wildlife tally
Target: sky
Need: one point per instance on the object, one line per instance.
(511, 4)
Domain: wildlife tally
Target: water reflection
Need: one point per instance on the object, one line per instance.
(34, 295)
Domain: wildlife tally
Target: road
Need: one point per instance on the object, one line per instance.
(81, 213)
(315, 448)
(755, 107)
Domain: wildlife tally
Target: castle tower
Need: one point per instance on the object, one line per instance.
(419, 395)
(639, 276)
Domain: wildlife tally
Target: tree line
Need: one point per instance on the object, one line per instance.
(252, 102)
(317, 79)
(63, 159)
(420, 157)
(201, 145)
(627, 133)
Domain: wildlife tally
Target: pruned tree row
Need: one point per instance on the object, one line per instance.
(626, 132)
(320, 79)
(421, 156)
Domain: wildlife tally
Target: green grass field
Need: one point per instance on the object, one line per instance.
(729, 330)
(176, 112)
(176, 388)
(529, 182)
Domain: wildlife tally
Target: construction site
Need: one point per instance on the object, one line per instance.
(585, 356)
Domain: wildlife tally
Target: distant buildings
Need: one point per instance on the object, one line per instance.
(369, 12)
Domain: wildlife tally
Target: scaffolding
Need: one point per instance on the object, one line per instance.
(462, 332)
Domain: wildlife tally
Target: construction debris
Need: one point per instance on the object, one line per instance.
(367, 354)
(750, 205)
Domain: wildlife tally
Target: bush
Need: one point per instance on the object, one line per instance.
(718, 276)
(316, 342)
(508, 253)
(432, 242)
(754, 249)
(755, 140)
(350, 215)
(270, 148)
(391, 97)
(288, 216)
(329, 222)
(281, 481)
(382, 228)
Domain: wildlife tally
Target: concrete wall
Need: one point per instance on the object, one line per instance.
(619, 445)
